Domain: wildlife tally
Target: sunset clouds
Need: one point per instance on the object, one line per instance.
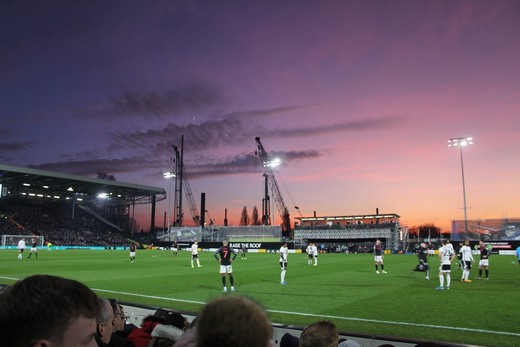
(359, 97)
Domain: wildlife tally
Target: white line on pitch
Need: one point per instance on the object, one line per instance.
(326, 316)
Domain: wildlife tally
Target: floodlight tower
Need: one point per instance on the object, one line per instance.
(169, 176)
(462, 142)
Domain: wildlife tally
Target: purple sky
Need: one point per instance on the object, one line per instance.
(358, 98)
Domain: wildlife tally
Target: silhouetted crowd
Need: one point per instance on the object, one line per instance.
(58, 225)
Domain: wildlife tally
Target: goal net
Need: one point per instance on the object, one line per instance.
(11, 241)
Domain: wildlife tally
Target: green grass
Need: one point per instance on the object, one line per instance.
(342, 288)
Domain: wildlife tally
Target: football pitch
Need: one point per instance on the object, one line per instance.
(342, 288)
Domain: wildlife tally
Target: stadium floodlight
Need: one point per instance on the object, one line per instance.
(462, 142)
(272, 163)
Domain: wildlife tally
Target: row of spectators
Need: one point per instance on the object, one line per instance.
(358, 225)
(343, 248)
(57, 224)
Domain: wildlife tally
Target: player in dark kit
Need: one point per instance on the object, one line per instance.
(485, 252)
(223, 256)
(422, 254)
(132, 252)
(378, 256)
(34, 249)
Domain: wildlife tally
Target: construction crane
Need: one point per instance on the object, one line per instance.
(191, 201)
(275, 190)
(185, 183)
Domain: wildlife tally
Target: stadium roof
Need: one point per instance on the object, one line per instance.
(59, 186)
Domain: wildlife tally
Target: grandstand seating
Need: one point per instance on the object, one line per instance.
(54, 221)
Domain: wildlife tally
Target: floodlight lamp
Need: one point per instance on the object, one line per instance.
(460, 141)
(272, 163)
(169, 175)
(453, 142)
(466, 141)
(70, 189)
(102, 196)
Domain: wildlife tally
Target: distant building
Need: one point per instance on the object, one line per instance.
(364, 219)
(355, 228)
(507, 229)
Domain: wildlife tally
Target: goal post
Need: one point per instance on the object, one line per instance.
(11, 241)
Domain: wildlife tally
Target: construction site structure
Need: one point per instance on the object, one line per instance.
(384, 226)
(275, 191)
(182, 182)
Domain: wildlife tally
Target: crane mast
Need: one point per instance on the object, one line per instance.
(184, 183)
(191, 201)
(275, 190)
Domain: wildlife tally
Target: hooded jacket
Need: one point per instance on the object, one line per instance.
(165, 335)
(142, 336)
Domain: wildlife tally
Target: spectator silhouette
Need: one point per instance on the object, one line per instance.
(104, 323)
(165, 334)
(319, 334)
(142, 336)
(233, 321)
(118, 338)
(44, 310)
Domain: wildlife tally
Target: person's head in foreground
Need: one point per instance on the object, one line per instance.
(233, 321)
(48, 311)
(319, 334)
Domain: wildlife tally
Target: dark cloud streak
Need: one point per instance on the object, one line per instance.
(165, 103)
(15, 146)
(151, 148)
(208, 139)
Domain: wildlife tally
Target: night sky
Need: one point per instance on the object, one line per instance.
(358, 99)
